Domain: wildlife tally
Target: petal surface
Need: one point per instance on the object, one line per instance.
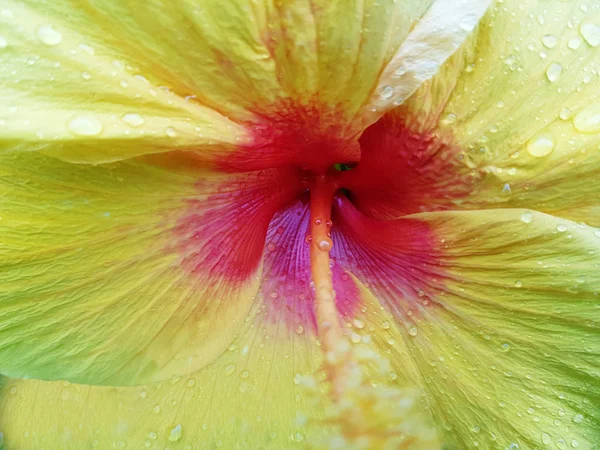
(110, 81)
(520, 102)
(248, 398)
(68, 89)
(122, 273)
(496, 318)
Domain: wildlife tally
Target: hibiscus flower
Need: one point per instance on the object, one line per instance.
(271, 224)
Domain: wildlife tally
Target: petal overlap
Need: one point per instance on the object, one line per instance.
(500, 322)
(117, 274)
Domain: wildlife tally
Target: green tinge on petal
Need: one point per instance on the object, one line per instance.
(520, 101)
(93, 288)
(505, 340)
(247, 399)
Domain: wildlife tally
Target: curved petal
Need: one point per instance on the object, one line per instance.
(69, 89)
(432, 40)
(107, 81)
(248, 398)
(494, 314)
(520, 102)
(129, 272)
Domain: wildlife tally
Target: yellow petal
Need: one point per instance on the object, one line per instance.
(123, 273)
(519, 103)
(432, 40)
(503, 332)
(67, 88)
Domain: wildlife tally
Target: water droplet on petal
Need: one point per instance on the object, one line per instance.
(546, 440)
(400, 71)
(518, 284)
(574, 443)
(325, 244)
(3, 42)
(591, 33)
(449, 119)
(413, 331)
(541, 145)
(565, 114)
(562, 228)
(133, 119)
(578, 418)
(86, 75)
(176, 433)
(469, 22)
(597, 234)
(386, 92)
(48, 35)
(549, 41)
(84, 125)
(554, 72)
(527, 217)
(170, 131)
(574, 43)
(588, 120)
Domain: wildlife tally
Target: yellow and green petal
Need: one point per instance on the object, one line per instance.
(495, 315)
(128, 272)
(519, 105)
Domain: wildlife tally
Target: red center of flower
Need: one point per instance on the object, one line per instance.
(288, 190)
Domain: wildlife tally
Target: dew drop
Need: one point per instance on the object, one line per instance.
(469, 22)
(88, 49)
(518, 284)
(413, 331)
(299, 329)
(3, 42)
(133, 119)
(86, 75)
(578, 418)
(48, 35)
(386, 92)
(176, 433)
(574, 43)
(588, 120)
(156, 409)
(574, 443)
(308, 239)
(170, 131)
(84, 125)
(565, 114)
(591, 33)
(541, 145)
(562, 228)
(318, 221)
(505, 347)
(546, 440)
(597, 234)
(449, 119)
(549, 41)
(553, 72)
(229, 369)
(325, 244)
(526, 217)
(400, 71)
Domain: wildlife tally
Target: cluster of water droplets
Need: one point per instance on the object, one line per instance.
(371, 414)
